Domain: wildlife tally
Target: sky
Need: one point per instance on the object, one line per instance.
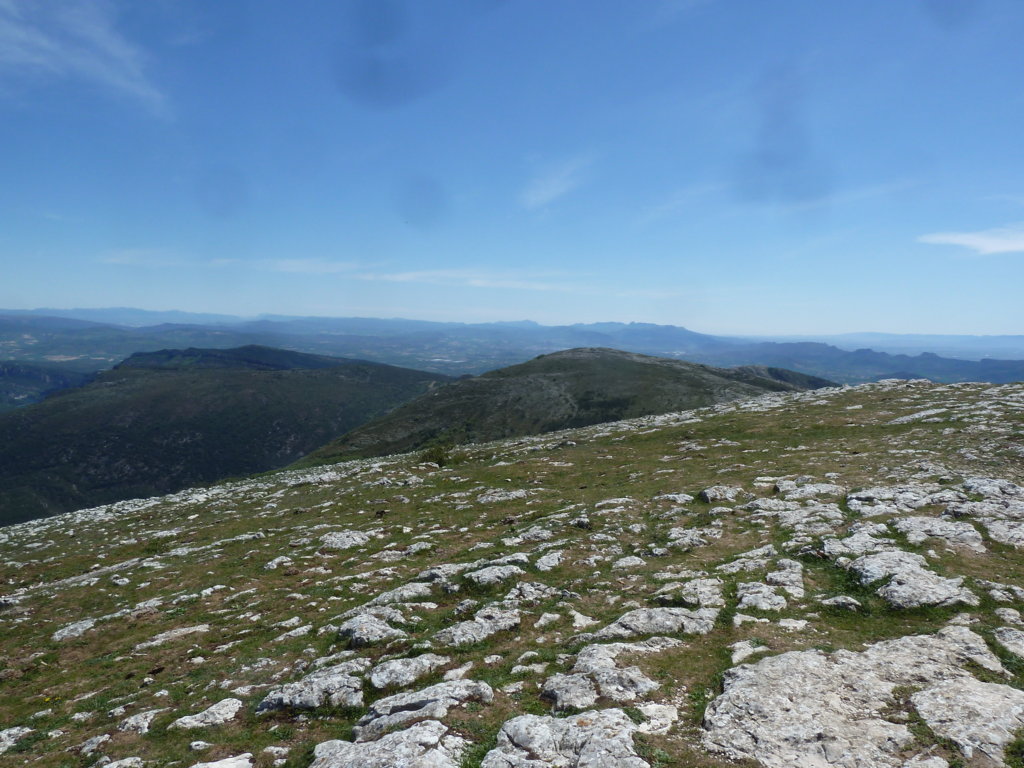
(732, 166)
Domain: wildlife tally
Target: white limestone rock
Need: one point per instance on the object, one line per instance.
(809, 708)
(141, 722)
(488, 621)
(911, 584)
(243, 760)
(218, 714)
(596, 671)
(760, 597)
(398, 673)
(1011, 639)
(955, 532)
(593, 739)
(367, 629)
(844, 602)
(628, 562)
(550, 560)
(339, 540)
(10, 736)
(976, 716)
(431, 703)
(337, 685)
(427, 744)
(720, 493)
(659, 621)
(495, 574)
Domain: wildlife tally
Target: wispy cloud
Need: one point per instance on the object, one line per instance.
(852, 195)
(679, 201)
(151, 258)
(308, 266)
(74, 39)
(555, 182)
(471, 279)
(1009, 239)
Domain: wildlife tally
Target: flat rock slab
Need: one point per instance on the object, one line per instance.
(495, 574)
(427, 744)
(976, 716)
(487, 622)
(338, 540)
(398, 673)
(957, 533)
(659, 621)
(221, 712)
(1011, 639)
(597, 672)
(807, 708)
(238, 761)
(431, 703)
(594, 739)
(338, 685)
(911, 584)
(367, 629)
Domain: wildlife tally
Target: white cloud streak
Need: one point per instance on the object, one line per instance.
(555, 182)
(308, 266)
(1009, 239)
(74, 39)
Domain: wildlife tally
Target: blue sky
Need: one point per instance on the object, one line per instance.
(734, 166)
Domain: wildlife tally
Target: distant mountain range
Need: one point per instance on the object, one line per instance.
(171, 419)
(574, 388)
(92, 340)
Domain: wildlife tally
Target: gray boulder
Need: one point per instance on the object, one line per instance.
(659, 621)
(595, 739)
(431, 703)
(428, 744)
(398, 673)
(221, 712)
(338, 686)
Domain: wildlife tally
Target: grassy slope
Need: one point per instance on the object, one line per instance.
(847, 433)
(136, 432)
(563, 389)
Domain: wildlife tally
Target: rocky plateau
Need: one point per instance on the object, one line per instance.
(810, 579)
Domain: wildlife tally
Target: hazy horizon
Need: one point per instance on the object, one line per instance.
(730, 166)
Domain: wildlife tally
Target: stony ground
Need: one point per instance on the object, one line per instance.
(818, 579)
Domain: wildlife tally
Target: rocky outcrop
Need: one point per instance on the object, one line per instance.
(431, 703)
(594, 739)
(812, 708)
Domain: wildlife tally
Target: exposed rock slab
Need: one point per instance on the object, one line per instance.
(596, 671)
(487, 622)
(594, 739)
(221, 712)
(338, 686)
(976, 716)
(911, 584)
(428, 744)
(812, 709)
(659, 621)
(431, 703)
(398, 673)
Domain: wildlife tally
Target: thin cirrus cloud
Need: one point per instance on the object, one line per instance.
(468, 278)
(555, 182)
(308, 266)
(76, 40)
(150, 258)
(1009, 239)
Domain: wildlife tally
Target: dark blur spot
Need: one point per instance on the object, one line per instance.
(380, 64)
(421, 201)
(782, 166)
(222, 191)
(951, 14)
